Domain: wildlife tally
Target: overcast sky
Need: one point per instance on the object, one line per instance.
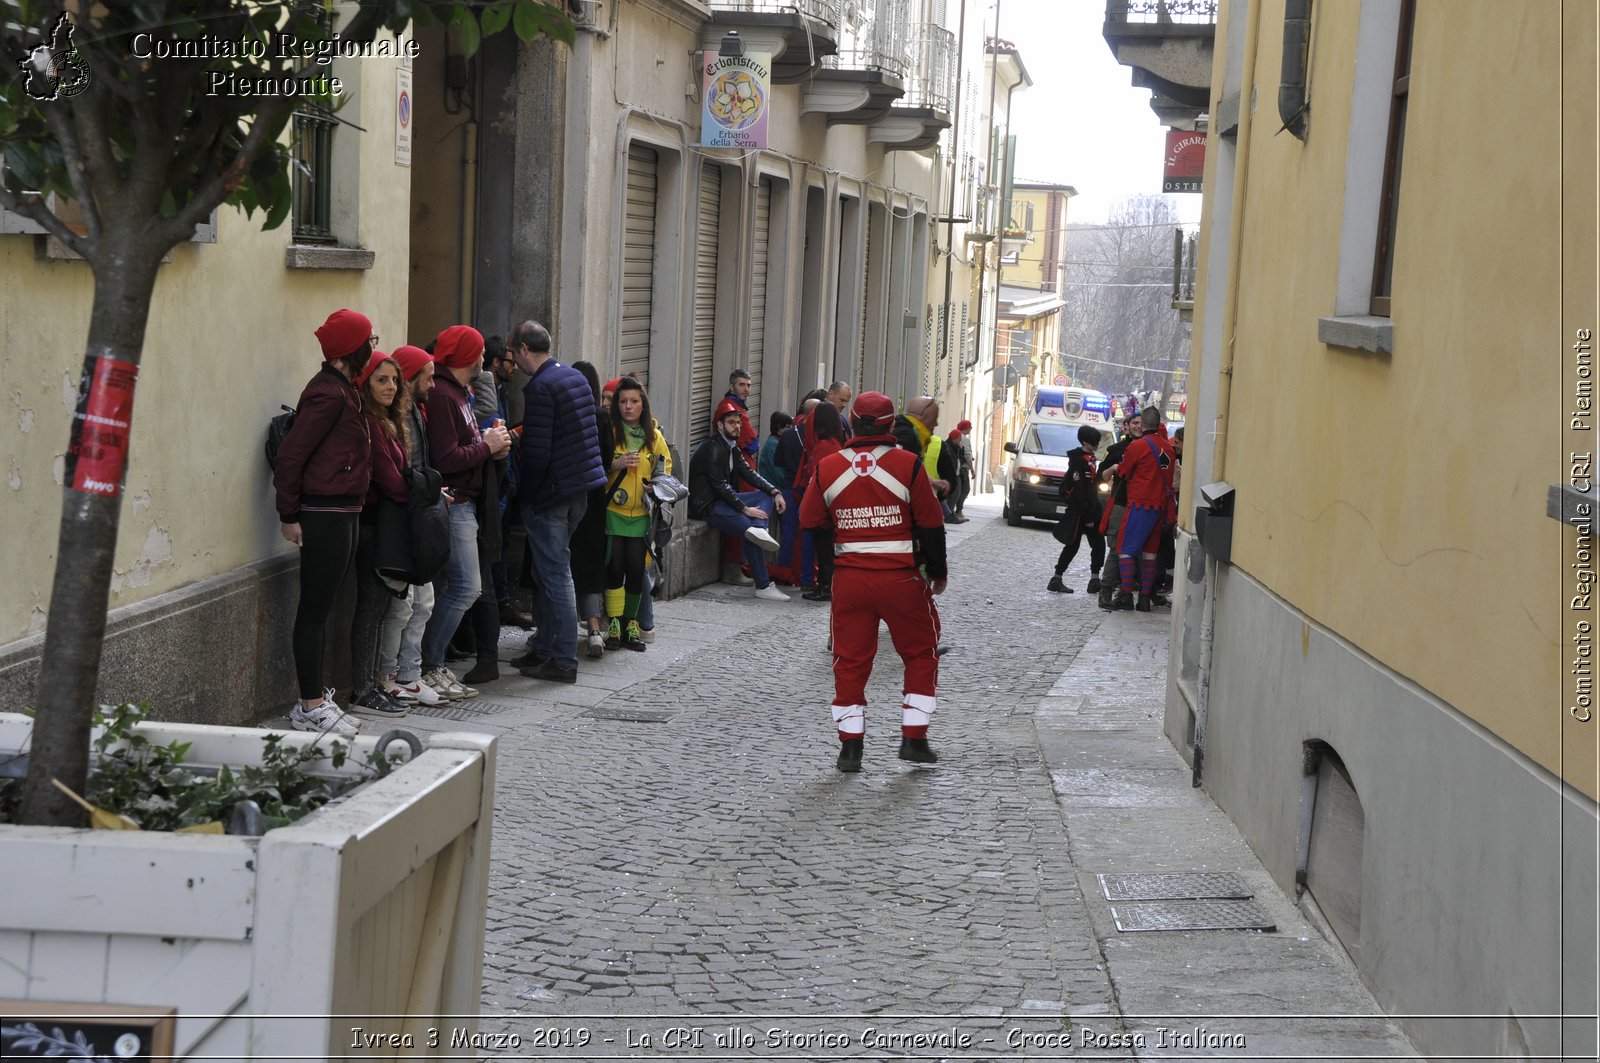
(1082, 123)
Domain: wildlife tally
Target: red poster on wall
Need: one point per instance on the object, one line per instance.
(1185, 162)
(98, 454)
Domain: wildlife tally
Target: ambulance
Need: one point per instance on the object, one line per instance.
(1039, 458)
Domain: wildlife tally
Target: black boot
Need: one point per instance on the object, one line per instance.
(1122, 600)
(1056, 585)
(849, 760)
(1104, 601)
(917, 751)
(1094, 585)
(1160, 600)
(1143, 605)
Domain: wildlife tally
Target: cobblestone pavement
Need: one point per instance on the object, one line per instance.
(680, 872)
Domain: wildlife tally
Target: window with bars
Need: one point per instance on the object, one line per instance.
(313, 176)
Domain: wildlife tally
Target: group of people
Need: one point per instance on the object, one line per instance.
(469, 462)
(413, 466)
(1140, 475)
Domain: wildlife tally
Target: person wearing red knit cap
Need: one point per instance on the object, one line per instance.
(321, 476)
(459, 451)
(962, 449)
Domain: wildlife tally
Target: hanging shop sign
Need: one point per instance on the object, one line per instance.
(1185, 161)
(734, 98)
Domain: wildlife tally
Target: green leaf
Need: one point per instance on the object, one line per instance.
(496, 18)
(471, 35)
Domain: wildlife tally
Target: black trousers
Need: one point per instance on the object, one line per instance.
(327, 546)
(1077, 529)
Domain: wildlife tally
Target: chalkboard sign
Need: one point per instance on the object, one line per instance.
(99, 1032)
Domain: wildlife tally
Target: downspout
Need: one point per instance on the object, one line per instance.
(1292, 105)
(1230, 317)
(1000, 258)
(950, 211)
(983, 264)
(469, 216)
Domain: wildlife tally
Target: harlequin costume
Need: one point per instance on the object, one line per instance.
(1147, 468)
(873, 506)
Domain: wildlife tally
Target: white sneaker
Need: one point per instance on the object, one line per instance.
(762, 538)
(416, 690)
(596, 643)
(444, 686)
(647, 634)
(771, 593)
(326, 718)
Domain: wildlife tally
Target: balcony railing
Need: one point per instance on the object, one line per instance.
(1016, 222)
(880, 42)
(933, 79)
(1163, 12)
(828, 11)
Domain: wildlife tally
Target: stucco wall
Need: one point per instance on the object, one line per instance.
(230, 337)
(1399, 500)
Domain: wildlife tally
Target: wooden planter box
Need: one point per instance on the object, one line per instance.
(282, 946)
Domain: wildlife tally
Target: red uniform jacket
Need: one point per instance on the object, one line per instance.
(1147, 468)
(327, 454)
(877, 501)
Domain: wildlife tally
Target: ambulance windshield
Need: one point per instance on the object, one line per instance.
(1052, 439)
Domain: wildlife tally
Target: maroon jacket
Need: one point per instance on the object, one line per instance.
(388, 461)
(325, 461)
(456, 447)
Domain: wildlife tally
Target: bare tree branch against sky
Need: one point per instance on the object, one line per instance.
(1082, 123)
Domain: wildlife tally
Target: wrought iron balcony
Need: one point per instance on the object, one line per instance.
(1016, 224)
(915, 120)
(859, 83)
(1169, 44)
(798, 34)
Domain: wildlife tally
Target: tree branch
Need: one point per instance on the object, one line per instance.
(213, 192)
(64, 128)
(34, 208)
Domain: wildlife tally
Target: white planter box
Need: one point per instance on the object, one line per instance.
(367, 915)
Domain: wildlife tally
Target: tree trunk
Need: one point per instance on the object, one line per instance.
(64, 697)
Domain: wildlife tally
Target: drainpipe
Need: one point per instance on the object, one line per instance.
(1292, 106)
(469, 216)
(950, 211)
(1310, 763)
(1230, 317)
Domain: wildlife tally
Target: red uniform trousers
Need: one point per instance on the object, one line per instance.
(902, 599)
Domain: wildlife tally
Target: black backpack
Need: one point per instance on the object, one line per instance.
(277, 431)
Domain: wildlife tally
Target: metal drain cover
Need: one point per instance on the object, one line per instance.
(1192, 915)
(1185, 886)
(627, 715)
(469, 709)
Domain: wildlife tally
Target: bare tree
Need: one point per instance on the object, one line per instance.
(1119, 311)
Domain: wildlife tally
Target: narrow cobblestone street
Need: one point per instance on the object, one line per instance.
(674, 849)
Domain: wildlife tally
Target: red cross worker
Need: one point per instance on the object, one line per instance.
(873, 506)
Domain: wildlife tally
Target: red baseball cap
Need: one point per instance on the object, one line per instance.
(875, 408)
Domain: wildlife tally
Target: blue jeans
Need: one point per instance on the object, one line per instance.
(555, 605)
(459, 585)
(730, 521)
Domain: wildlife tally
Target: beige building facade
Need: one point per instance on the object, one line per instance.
(1373, 660)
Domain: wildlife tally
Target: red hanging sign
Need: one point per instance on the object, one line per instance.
(1185, 161)
(98, 454)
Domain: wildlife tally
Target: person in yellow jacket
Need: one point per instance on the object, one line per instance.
(639, 451)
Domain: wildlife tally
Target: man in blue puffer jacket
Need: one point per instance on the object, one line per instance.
(559, 464)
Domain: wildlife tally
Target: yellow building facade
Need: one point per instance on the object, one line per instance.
(1370, 653)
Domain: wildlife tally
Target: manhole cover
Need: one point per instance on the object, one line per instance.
(628, 715)
(1184, 886)
(1192, 915)
(468, 709)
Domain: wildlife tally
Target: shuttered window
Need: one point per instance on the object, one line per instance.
(707, 225)
(638, 266)
(758, 297)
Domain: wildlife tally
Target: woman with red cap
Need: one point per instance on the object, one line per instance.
(387, 408)
(321, 477)
(960, 444)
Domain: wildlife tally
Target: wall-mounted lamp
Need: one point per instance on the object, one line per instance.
(732, 46)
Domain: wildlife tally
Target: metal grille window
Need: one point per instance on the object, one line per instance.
(313, 175)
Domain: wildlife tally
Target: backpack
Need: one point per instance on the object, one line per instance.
(277, 430)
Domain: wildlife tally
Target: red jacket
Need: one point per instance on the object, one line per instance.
(1147, 467)
(325, 459)
(878, 503)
